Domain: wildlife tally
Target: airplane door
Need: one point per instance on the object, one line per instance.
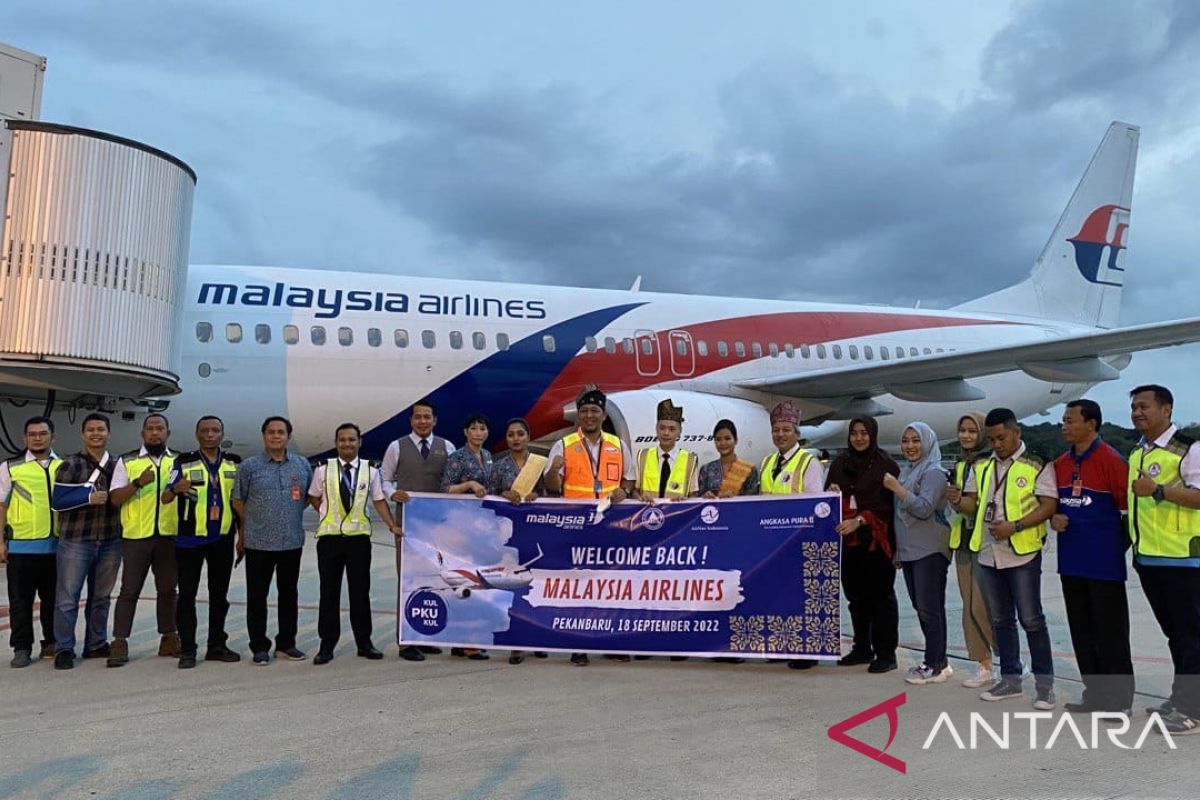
(683, 356)
(649, 357)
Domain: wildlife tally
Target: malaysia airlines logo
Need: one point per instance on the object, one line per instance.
(1104, 230)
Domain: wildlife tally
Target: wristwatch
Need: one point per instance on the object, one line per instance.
(1160, 493)
(861, 521)
(1018, 525)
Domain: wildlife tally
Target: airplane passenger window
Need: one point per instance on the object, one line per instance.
(548, 343)
(627, 346)
(374, 337)
(233, 332)
(789, 350)
(899, 352)
(589, 343)
(926, 351)
(205, 369)
(912, 351)
(647, 347)
(821, 351)
(501, 341)
(204, 331)
(291, 334)
(756, 349)
(317, 334)
(805, 351)
(853, 352)
(868, 353)
(883, 353)
(940, 350)
(740, 349)
(401, 337)
(723, 349)
(456, 340)
(428, 339)
(478, 340)
(262, 334)
(345, 337)
(702, 347)
(681, 347)
(610, 344)
(773, 349)
(837, 351)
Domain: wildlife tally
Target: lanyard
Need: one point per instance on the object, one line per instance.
(594, 463)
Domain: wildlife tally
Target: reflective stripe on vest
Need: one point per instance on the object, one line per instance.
(791, 477)
(1020, 498)
(683, 464)
(143, 513)
(961, 521)
(1166, 529)
(29, 513)
(192, 517)
(578, 477)
(336, 522)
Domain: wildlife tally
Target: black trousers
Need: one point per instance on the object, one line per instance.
(1174, 595)
(1098, 615)
(349, 555)
(30, 575)
(218, 555)
(284, 567)
(869, 581)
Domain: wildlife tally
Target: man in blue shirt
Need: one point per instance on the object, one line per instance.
(270, 496)
(1091, 478)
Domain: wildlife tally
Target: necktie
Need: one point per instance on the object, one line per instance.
(778, 467)
(424, 448)
(347, 488)
(664, 475)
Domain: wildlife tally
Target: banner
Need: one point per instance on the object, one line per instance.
(739, 577)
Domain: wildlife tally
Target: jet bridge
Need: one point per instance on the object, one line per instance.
(93, 261)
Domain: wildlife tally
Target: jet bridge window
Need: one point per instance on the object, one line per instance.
(428, 339)
(548, 343)
(233, 332)
(317, 334)
(456, 340)
(204, 331)
(374, 337)
(262, 334)
(401, 337)
(702, 347)
(291, 334)
(478, 340)
(723, 349)
(345, 337)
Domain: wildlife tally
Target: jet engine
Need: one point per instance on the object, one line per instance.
(462, 592)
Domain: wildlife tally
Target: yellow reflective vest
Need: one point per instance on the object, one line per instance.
(143, 514)
(29, 513)
(192, 516)
(1163, 530)
(679, 482)
(1020, 498)
(964, 525)
(791, 476)
(337, 521)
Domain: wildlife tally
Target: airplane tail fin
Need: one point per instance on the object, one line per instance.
(1079, 275)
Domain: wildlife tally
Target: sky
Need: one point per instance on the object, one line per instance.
(875, 152)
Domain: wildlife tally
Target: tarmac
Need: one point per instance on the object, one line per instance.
(452, 728)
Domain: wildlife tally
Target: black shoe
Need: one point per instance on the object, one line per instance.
(429, 649)
(679, 658)
(103, 651)
(881, 665)
(856, 657)
(806, 663)
(1081, 708)
(516, 658)
(411, 653)
(64, 659)
(1163, 708)
(458, 652)
(540, 654)
(322, 657)
(729, 660)
(370, 653)
(616, 657)
(641, 658)
(223, 654)
(479, 655)
(187, 660)
(579, 659)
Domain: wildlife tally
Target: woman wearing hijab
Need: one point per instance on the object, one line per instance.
(727, 476)
(976, 623)
(868, 574)
(923, 544)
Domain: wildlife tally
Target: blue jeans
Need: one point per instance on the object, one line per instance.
(926, 582)
(1012, 594)
(94, 562)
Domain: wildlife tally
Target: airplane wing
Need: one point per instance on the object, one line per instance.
(943, 377)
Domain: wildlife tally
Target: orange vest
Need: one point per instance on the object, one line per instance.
(579, 480)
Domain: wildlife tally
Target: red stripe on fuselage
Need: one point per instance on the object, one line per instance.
(469, 575)
(615, 372)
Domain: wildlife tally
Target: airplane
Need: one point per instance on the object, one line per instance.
(462, 581)
(323, 347)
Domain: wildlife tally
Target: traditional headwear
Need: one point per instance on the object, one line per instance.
(670, 412)
(785, 412)
(591, 396)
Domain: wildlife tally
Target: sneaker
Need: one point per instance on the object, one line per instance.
(187, 660)
(291, 653)
(118, 653)
(64, 659)
(21, 658)
(223, 654)
(881, 665)
(1003, 689)
(1179, 724)
(982, 677)
(262, 659)
(922, 674)
(49, 651)
(856, 657)
(169, 646)
(1045, 701)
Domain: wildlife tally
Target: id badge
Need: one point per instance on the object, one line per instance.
(295, 492)
(597, 486)
(989, 514)
(1077, 487)
(214, 513)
